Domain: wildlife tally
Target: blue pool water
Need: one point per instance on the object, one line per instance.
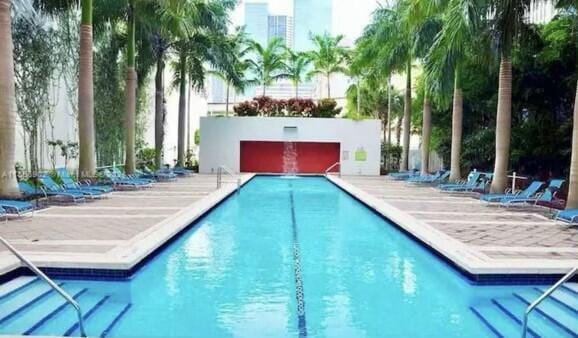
(296, 258)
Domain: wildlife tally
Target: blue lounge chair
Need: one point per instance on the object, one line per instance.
(403, 175)
(3, 214)
(30, 191)
(122, 176)
(529, 192)
(69, 183)
(123, 183)
(470, 184)
(157, 175)
(547, 198)
(569, 216)
(180, 171)
(439, 176)
(16, 207)
(75, 195)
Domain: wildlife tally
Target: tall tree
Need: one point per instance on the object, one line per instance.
(506, 22)
(267, 62)
(130, 93)
(297, 64)
(87, 154)
(8, 183)
(328, 57)
(460, 35)
(234, 53)
(569, 7)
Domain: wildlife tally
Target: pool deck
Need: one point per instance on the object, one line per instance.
(114, 233)
(478, 238)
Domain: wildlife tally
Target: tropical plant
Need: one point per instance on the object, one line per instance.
(326, 108)
(34, 67)
(328, 57)
(267, 62)
(297, 64)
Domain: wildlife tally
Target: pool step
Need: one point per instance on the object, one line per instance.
(29, 306)
(555, 317)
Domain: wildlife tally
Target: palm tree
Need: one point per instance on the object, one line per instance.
(453, 45)
(235, 52)
(8, 183)
(297, 64)
(508, 18)
(86, 136)
(570, 7)
(130, 92)
(268, 62)
(328, 58)
(205, 42)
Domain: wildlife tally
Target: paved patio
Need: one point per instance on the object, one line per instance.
(98, 231)
(500, 236)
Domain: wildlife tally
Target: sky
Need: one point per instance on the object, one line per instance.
(349, 16)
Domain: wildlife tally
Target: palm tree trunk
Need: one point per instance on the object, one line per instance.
(389, 111)
(159, 123)
(398, 131)
(425, 134)
(296, 90)
(182, 111)
(130, 103)
(573, 184)
(503, 127)
(8, 184)
(406, 120)
(189, 90)
(457, 122)
(227, 99)
(87, 154)
(328, 86)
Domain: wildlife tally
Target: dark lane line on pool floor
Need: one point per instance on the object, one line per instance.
(299, 293)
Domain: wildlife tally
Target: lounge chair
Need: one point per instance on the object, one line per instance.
(569, 216)
(403, 175)
(547, 198)
(180, 171)
(122, 176)
(529, 192)
(75, 195)
(69, 183)
(157, 175)
(19, 208)
(439, 176)
(470, 184)
(3, 214)
(123, 183)
(30, 191)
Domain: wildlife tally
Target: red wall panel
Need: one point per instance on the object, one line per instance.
(267, 156)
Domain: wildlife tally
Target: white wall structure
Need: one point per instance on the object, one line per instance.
(221, 137)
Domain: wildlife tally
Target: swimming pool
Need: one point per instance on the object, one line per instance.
(289, 258)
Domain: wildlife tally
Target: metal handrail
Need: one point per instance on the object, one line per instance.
(229, 172)
(545, 295)
(333, 166)
(53, 285)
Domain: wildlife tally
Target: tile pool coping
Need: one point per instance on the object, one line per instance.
(477, 267)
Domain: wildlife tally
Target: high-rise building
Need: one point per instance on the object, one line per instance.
(312, 17)
(257, 21)
(541, 11)
(281, 26)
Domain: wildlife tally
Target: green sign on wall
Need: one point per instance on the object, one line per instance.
(360, 155)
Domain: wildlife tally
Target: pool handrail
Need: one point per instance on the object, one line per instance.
(50, 282)
(545, 295)
(229, 172)
(333, 166)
